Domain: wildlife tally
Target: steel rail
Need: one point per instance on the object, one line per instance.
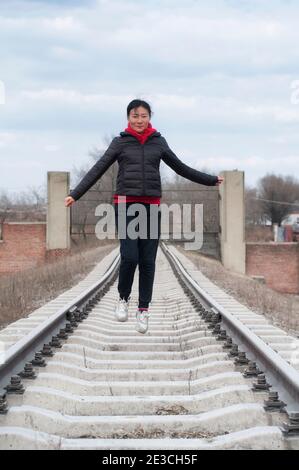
(280, 374)
(14, 358)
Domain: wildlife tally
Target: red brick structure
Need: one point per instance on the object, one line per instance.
(23, 246)
(277, 262)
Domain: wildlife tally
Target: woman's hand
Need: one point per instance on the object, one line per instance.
(220, 179)
(69, 200)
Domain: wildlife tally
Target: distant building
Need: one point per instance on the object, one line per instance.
(293, 220)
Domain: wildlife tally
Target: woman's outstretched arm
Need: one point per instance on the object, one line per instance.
(96, 171)
(170, 158)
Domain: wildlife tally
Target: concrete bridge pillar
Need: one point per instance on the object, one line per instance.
(58, 216)
(232, 221)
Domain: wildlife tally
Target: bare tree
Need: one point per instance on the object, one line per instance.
(38, 195)
(277, 194)
(4, 208)
(29, 204)
(253, 207)
(5, 201)
(32, 198)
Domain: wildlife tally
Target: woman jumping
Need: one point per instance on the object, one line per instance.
(138, 151)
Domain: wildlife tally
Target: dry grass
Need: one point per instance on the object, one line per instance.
(25, 291)
(281, 309)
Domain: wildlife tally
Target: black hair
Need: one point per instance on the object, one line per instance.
(136, 103)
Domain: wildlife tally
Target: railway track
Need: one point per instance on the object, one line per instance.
(209, 373)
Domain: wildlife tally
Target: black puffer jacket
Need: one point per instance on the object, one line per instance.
(138, 172)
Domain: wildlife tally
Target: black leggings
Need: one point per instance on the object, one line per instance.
(141, 251)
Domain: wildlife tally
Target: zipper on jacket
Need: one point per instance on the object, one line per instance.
(143, 172)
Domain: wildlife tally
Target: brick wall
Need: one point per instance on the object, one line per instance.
(23, 245)
(278, 262)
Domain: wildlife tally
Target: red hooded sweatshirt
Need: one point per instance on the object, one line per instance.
(142, 137)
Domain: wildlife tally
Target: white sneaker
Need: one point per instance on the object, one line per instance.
(121, 310)
(142, 317)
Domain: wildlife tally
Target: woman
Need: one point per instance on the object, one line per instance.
(138, 151)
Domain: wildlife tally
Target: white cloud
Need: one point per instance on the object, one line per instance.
(63, 52)
(194, 107)
(41, 24)
(62, 96)
(2, 92)
(51, 148)
(65, 24)
(7, 138)
(218, 75)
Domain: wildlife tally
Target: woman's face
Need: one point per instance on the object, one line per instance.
(139, 119)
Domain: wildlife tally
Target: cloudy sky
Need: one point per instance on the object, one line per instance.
(222, 78)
